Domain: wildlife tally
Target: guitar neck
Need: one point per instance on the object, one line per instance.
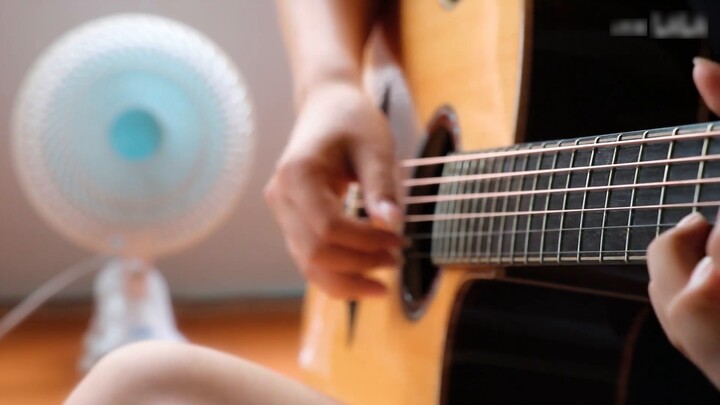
(589, 200)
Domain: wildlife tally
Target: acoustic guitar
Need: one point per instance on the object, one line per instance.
(523, 278)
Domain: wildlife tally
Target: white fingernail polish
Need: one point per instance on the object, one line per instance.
(701, 272)
(388, 213)
(699, 60)
(690, 220)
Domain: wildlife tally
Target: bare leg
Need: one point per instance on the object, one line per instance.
(176, 373)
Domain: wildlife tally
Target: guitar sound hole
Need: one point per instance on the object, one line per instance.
(419, 272)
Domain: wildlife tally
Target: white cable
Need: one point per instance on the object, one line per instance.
(46, 291)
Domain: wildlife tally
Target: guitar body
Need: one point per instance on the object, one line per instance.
(474, 75)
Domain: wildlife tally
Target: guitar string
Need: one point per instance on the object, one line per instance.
(411, 200)
(544, 151)
(447, 217)
(416, 162)
(430, 181)
(548, 253)
(503, 232)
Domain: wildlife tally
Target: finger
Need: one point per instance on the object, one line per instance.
(704, 284)
(672, 257)
(706, 75)
(316, 202)
(308, 251)
(309, 215)
(693, 314)
(359, 235)
(342, 260)
(346, 286)
(374, 164)
(713, 242)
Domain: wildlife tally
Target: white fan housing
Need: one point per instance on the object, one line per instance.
(132, 137)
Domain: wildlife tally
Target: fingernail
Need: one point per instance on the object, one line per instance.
(699, 60)
(701, 272)
(690, 220)
(389, 214)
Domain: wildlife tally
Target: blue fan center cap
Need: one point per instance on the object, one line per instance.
(135, 135)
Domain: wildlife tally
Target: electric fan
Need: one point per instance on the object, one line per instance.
(131, 137)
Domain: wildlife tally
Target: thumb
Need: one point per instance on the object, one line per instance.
(704, 284)
(706, 75)
(374, 164)
(694, 314)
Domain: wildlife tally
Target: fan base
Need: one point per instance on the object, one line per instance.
(132, 304)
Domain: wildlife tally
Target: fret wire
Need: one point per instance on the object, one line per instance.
(517, 208)
(585, 194)
(505, 205)
(666, 173)
(454, 249)
(530, 207)
(700, 173)
(475, 168)
(434, 242)
(478, 224)
(564, 203)
(459, 243)
(632, 195)
(547, 202)
(448, 246)
(493, 207)
(486, 184)
(450, 229)
(435, 227)
(444, 253)
(438, 245)
(611, 174)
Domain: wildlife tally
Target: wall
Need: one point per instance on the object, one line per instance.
(247, 255)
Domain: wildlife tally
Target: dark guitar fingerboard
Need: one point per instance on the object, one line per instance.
(612, 215)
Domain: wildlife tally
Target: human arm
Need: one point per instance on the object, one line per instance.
(684, 265)
(339, 136)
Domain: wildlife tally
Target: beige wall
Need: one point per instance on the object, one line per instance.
(247, 255)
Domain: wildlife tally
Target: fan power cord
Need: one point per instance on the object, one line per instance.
(47, 290)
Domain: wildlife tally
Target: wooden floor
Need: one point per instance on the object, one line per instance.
(38, 360)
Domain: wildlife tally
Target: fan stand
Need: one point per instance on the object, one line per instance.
(132, 303)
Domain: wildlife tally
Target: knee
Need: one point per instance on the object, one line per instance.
(145, 362)
(138, 373)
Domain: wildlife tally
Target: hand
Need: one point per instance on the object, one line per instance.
(339, 137)
(684, 265)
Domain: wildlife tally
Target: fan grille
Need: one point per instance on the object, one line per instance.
(132, 135)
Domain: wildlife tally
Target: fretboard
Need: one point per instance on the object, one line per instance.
(588, 200)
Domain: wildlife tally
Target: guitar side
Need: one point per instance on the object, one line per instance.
(467, 55)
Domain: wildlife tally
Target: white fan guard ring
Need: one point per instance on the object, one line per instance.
(109, 198)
